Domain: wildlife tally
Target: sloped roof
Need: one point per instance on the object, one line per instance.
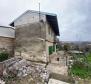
(51, 18)
(4, 26)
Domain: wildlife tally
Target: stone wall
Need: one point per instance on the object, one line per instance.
(29, 43)
(50, 36)
(7, 44)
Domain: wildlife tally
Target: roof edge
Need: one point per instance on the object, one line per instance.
(8, 27)
(34, 11)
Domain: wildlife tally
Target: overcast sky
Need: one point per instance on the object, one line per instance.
(74, 16)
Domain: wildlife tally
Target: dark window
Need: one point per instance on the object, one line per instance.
(57, 59)
(12, 24)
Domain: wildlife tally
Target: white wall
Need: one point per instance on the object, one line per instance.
(7, 32)
(29, 17)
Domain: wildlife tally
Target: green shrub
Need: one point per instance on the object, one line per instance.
(89, 57)
(3, 56)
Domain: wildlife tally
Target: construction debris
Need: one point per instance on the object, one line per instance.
(22, 68)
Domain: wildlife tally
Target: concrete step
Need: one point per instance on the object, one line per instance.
(54, 81)
(61, 78)
(59, 69)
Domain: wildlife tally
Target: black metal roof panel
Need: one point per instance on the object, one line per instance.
(54, 23)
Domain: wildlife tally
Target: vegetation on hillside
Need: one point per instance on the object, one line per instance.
(81, 66)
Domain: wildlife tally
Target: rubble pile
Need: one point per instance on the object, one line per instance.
(22, 68)
(2, 82)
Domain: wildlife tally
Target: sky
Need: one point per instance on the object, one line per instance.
(73, 15)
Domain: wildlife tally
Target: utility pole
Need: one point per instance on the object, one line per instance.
(39, 20)
(39, 12)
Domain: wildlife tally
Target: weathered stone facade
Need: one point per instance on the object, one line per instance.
(7, 44)
(28, 41)
(33, 41)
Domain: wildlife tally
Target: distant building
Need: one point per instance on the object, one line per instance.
(35, 34)
(75, 52)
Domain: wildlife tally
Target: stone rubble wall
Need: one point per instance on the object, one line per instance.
(7, 44)
(22, 68)
(39, 72)
(58, 58)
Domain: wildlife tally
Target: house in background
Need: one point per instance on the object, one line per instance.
(7, 36)
(35, 34)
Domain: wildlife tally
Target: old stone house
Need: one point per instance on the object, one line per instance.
(7, 36)
(35, 35)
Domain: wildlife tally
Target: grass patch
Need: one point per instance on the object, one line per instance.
(82, 67)
(79, 69)
(89, 57)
